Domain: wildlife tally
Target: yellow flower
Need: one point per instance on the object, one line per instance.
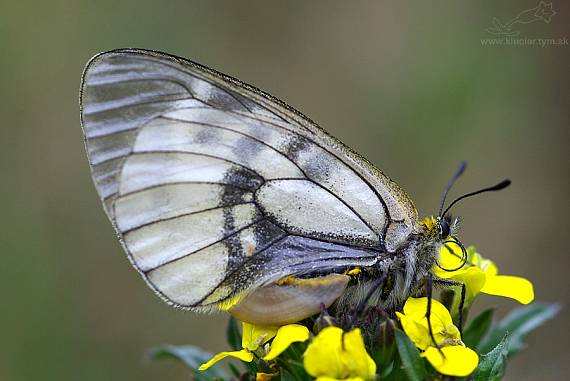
(255, 336)
(338, 355)
(457, 360)
(481, 275)
(415, 324)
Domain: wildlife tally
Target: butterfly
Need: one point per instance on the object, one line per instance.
(224, 197)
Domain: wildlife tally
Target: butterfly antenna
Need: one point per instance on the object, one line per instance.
(458, 173)
(502, 185)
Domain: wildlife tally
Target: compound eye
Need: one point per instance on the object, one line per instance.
(444, 228)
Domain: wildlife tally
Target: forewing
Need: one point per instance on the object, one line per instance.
(215, 187)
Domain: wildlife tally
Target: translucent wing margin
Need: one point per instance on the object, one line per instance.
(215, 187)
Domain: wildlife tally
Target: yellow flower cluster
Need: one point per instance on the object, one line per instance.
(335, 354)
(332, 355)
(448, 355)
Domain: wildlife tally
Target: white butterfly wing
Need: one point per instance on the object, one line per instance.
(216, 187)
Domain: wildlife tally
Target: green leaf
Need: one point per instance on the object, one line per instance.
(492, 365)
(386, 370)
(233, 335)
(252, 366)
(413, 363)
(478, 327)
(234, 369)
(384, 358)
(285, 375)
(293, 368)
(517, 325)
(192, 357)
(395, 373)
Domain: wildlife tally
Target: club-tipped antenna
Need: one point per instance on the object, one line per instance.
(502, 185)
(458, 173)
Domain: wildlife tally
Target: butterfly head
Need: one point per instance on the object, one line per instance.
(439, 228)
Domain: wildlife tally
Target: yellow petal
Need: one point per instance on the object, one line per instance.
(243, 355)
(513, 287)
(265, 376)
(417, 332)
(339, 379)
(356, 360)
(490, 268)
(440, 273)
(287, 335)
(450, 257)
(486, 265)
(416, 308)
(452, 332)
(474, 279)
(458, 361)
(334, 354)
(253, 336)
(322, 357)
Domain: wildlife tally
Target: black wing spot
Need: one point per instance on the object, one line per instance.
(295, 146)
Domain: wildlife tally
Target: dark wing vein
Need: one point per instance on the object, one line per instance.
(233, 234)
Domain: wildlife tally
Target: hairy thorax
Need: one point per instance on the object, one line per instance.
(395, 277)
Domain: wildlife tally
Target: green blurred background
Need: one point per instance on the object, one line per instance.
(409, 85)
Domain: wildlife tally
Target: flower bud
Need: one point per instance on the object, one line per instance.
(385, 333)
(324, 320)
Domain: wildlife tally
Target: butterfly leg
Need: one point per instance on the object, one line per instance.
(376, 286)
(429, 286)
